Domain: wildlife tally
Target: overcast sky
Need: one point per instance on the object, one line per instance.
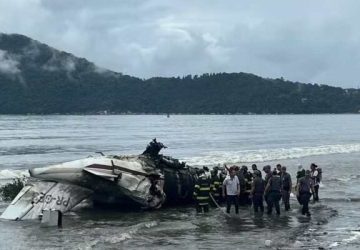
(306, 41)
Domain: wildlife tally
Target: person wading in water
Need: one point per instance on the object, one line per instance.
(273, 192)
(315, 176)
(202, 192)
(257, 192)
(304, 190)
(232, 187)
(286, 187)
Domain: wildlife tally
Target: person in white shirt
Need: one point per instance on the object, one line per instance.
(316, 181)
(232, 187)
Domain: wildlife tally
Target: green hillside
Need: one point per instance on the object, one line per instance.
(38, 79)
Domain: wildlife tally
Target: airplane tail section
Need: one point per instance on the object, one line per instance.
(38, 196)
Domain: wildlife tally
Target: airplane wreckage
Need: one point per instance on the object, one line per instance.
(146, 181)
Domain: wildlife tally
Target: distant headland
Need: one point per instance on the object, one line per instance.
(38, 79)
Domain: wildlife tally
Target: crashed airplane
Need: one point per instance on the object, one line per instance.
(146, 181)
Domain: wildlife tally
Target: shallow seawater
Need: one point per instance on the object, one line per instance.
(332, 141)
(181, 228)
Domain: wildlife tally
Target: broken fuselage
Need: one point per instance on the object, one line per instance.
(142, 180)
(146, 181)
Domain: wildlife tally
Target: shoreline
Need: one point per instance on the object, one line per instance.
(177, 114)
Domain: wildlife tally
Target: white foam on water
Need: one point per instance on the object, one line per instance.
(298, 244)
(151, 224)
(335, 244)
(263, 155)
(117, 239)
(114, 239)
(8, 174)
(88, 245)
(340, 179)
(355, 236)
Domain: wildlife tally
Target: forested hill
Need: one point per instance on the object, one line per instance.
(38, 79)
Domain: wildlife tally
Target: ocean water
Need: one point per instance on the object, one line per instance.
(331, 141)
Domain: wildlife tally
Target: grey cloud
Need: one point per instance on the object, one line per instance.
(298, 40)
(61, 62)
(32, 50)
(68, 64)
(8, 63)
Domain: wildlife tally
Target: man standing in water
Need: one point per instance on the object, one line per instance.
(240, 175)
(202, 192)
(232, 187)
(316, 181)
(273, 192)
(215, 185)
(300, 173)
(303, 190)
(248, 181)
(257, 192)
(286, 185)
(254, 169)
(278, 169)
(268, 174)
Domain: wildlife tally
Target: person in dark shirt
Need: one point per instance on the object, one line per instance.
(248, 181)
(254, 169)
(216, 185)
(242, 181)
(304, 190)
(268, 174)
(222, 176)
(257, 192)
(300, 173)
(286, 185)
(273, 191)
(278, 169)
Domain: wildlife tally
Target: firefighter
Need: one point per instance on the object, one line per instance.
(216, 189)
(202, 192)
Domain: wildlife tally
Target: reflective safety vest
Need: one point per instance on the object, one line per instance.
(202, 190)
(216, 187)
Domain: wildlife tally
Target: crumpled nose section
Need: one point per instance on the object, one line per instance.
(156, 201)
(142, 190)
(156, 196)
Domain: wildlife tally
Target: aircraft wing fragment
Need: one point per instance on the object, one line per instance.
(40, 195)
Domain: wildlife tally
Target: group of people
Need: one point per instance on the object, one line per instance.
(238, 186)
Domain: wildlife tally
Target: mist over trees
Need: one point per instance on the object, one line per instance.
(37, 79)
